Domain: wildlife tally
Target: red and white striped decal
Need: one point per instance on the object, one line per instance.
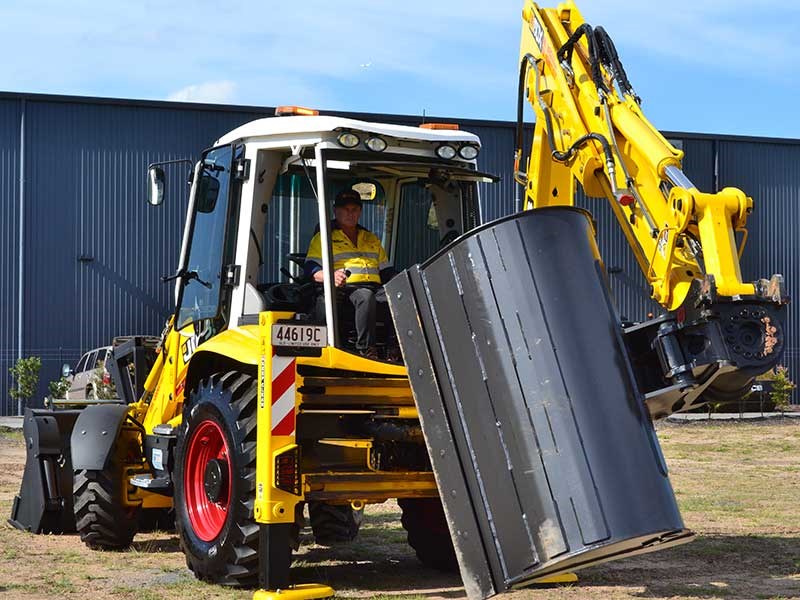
(283, 421)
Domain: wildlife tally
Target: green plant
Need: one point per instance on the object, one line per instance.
(713, 407)
(58, 389)
(782, 388)
(25, 373)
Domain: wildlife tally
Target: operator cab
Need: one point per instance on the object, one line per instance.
(263, 191)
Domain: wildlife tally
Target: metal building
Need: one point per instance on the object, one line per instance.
(81, 253)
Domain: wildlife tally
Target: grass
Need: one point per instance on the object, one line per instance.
(9, 434)
(137, 593)
(731, 493)
(737, 486)
(390, 597)
(61, 584)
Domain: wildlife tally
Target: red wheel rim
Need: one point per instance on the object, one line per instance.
(206, 516)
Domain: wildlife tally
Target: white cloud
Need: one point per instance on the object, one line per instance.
(215, 92)
(735, 35)
(453, 57)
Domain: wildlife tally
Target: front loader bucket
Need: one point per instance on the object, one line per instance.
(544, 452)
(44, 503)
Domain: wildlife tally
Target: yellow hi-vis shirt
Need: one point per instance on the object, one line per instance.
(365, 260)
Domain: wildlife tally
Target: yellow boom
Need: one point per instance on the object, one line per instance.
(590, 128)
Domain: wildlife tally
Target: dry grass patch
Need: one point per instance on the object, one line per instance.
(738, 486)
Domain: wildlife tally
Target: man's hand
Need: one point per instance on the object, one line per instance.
(339, 278)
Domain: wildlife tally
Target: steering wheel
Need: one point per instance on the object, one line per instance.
(298, 258)
(289, 293)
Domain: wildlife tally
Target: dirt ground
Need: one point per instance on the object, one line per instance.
(738, 486)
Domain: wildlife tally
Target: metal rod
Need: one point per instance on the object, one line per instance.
(83, 402)
(294, 224)
(21, 282)
(678, 178)
(628, 179)
(324, 238)
(715, 152)
(187, 228)
(519, 177)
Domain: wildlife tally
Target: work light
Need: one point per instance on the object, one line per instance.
(446, 151)
(468, 152)
(376, 144)
(348, 140)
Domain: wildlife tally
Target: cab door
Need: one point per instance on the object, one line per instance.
(205, 290)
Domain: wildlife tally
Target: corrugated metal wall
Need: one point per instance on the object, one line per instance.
(94, 250)
(9, 243)
(770, 173)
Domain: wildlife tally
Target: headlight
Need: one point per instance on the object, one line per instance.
(468, 152)
(446, 152)
(376, 144)
(348, 140)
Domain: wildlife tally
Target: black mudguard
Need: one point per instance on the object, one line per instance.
(94, 435)
(542, 446)
(44, 502)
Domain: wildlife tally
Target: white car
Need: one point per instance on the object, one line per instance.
(83, 383)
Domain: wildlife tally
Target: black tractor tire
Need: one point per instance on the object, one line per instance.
(334, 524)
(222, 548)
(428, 535)
(101, 519)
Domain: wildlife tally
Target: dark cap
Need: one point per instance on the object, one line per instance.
(346, 197)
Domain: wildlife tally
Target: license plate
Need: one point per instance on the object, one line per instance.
(305, 336)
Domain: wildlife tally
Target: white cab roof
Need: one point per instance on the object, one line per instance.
(264, 128)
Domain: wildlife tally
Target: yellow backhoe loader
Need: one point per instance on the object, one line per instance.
(518, 434)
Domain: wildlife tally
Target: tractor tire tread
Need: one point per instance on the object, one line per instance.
(101, 520)
(334, 524)
(424, 521)
(236, 565)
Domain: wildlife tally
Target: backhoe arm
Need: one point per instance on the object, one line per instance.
(590, 128)
(719, 331)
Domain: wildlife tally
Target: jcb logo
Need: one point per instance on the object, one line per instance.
(537, 31)
(189, 348)
(201, 335)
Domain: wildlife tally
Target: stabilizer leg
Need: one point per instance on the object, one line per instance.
(273, 568)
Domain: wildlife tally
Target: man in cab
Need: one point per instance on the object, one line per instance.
(361, 267)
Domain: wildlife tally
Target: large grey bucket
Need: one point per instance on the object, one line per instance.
(544, 453)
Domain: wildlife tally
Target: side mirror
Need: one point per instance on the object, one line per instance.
(66, 370)
(155, 186)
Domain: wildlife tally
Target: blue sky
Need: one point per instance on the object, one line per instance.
(710, 66)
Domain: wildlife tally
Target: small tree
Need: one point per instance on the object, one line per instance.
(25, 373)
(58, 389)
(782, 388)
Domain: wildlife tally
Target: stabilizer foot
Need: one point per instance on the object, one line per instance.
(560, 578)
(303, 591)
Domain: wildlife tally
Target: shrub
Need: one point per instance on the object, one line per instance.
(58, 389)
(782, 387)
(25, 373)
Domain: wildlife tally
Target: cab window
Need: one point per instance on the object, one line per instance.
(202, 286)
(417, 235)
(292, 219)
